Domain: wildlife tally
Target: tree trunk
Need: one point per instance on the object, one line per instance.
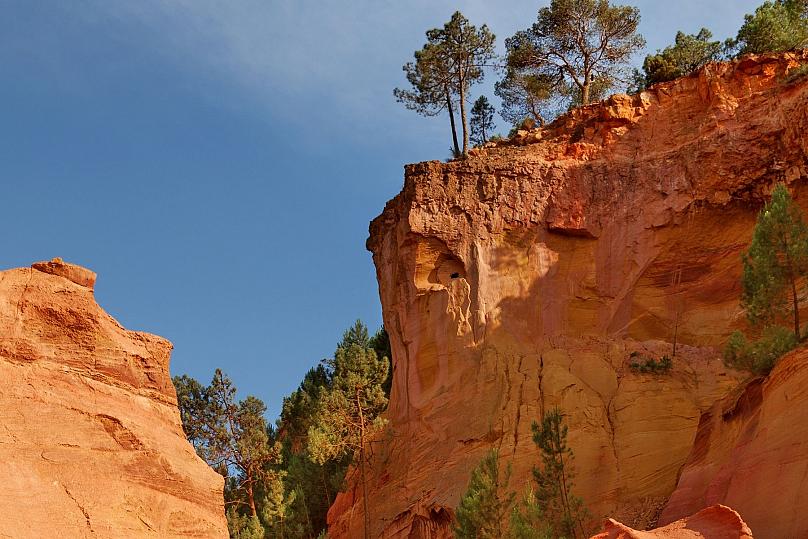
(585, 89)
(463, 117)
(796, 308)
(452, 120)
(362, 465)
(251, 496)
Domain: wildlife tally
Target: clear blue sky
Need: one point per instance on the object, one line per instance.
(217, 162)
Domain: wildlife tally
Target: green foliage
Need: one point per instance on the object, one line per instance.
(445, 68)
(483, 507)
(526, 94)
(528, 520)
(776, 263)
(648, 365)
(243, 526)
(349, 409)
(759, 357)
(774, 270)
(688, 53)
(776, 26)
(380, 342)
(230, 436)
(482, 121)
(574, 53)
(566, 514)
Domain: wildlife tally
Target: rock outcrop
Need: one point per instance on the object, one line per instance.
(751, 452)
(716, 522)
(90, 436)
(533, 273)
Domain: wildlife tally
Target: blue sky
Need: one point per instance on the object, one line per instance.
(217, 162)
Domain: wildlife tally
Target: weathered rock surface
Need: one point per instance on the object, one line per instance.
(531, 274)
(90, 435)
(716, 522)
(751, 452)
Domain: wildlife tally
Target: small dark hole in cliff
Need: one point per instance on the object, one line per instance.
(455, 275)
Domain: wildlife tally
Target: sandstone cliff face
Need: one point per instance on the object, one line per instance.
(751, 451)
(90, 435)
(528, 275)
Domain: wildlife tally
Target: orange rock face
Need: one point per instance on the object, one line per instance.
(716, 522)
(533, 273)
(90, 435)
(751, 451)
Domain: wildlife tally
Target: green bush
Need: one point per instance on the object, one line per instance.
(647, 365)
(758, 357)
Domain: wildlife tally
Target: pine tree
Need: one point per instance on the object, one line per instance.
(349, 410)
(482, 121)
(230, 436)
(565, 512)
(528, 520)
(445, 68)
(576, 46)
(484, 505)
(776, 26)
(776, 263)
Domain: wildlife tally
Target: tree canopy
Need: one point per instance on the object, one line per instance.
(775, 26)
(275, 487)
(688, 53)
(576, 50)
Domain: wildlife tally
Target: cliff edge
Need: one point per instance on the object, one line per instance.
(535, 272)
(90, 434)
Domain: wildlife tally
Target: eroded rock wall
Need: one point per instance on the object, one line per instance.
(90, 436)
(530, 274)
(751, 451)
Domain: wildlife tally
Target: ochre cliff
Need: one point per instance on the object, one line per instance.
(751, 452)
(715, 522)
(532, 273)
(90, 434)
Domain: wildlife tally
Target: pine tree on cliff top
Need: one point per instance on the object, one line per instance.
(445, 69)
(575, 51)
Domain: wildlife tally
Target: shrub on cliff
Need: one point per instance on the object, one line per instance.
(688, 53)
(485, 503)
(775, 26)
(649, 365)
(758, 357)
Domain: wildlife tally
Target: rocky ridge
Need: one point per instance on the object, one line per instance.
(90, 433)
(534, 273)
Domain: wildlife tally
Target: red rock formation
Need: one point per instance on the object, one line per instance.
(716, 522)
(526, 276)
(90, 435)
(751, 451)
